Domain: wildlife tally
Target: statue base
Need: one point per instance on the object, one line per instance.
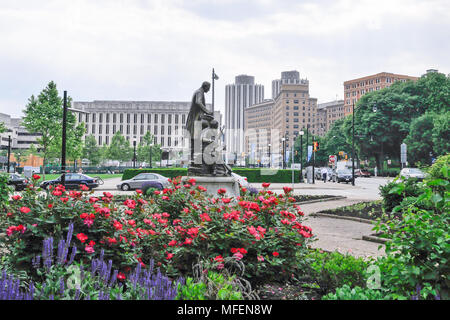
(213, 184)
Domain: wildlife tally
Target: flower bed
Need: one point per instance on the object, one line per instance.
(176, 227)
(371, 210)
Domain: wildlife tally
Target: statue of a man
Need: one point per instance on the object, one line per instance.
(197, 111)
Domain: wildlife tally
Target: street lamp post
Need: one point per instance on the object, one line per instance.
(301, 155)
(134, 154)
(9, 152)
(151, 147)
(214, 77)
(284, 151)
(270, 156)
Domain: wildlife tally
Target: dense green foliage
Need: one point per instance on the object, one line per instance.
(346, 292)
(392, 198)
(419, 251)
(332, 270)
(436, 170)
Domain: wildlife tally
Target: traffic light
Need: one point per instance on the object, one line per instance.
(316, 146)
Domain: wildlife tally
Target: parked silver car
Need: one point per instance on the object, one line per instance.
(412, 173)
(138, 181)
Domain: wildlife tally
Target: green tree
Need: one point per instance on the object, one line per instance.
(419, 138)
(120, 148)
(146, 147)
(21, 155)
(441, 134)
(91, 150)
(2, 127)
(44, 115)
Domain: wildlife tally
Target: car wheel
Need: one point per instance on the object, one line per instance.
(125, 187)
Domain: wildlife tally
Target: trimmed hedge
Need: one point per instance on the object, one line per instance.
(281, 176)
(252, 175)
(389, 172)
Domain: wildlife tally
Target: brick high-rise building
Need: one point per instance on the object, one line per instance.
(356, 88)
(328, 113)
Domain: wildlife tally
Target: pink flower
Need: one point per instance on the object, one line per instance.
(260, 258)
(89, 249)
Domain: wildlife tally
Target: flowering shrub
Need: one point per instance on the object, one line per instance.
(175, 227)
(60, 279)
(265, 231)
(32, 217)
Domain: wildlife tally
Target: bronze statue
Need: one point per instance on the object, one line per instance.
(206, 150)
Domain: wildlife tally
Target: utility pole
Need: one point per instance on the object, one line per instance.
(9, 152)
(64, 137)
(314, 161)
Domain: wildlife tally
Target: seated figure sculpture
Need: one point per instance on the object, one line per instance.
(206, 148)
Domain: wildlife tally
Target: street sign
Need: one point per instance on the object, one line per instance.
(332, 159)
(403, 153)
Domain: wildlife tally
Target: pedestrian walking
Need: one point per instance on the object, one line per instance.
(324, 174)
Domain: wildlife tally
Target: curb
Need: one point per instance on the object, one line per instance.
(321, 200)
(375, 239)
(326, 215)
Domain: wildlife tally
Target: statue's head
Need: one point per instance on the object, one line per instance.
(205, 86)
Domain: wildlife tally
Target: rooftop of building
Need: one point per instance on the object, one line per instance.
(380, 74)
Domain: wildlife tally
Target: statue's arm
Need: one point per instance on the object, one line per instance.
(199, 102)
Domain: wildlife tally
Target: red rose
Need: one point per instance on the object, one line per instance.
(221, 191)
(25, 209)
(36, 176)
(266, 185)
(82, 237)
(275, 254)
(18, 197)
(121, 276)
(169, 256)
(287, 189)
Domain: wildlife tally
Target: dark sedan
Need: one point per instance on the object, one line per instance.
(17, 182)
(344, 175)
(74, 181)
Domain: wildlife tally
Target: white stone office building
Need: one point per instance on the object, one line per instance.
(165, 120)
(238, 96)
(20, 137)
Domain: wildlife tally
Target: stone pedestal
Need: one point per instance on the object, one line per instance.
(213, 184)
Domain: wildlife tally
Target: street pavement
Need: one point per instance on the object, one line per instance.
(342, 235)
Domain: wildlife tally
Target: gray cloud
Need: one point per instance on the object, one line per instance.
(163, 50)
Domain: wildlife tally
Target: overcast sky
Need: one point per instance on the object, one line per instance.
(164, 49)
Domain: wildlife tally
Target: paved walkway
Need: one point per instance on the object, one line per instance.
(344, 236)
